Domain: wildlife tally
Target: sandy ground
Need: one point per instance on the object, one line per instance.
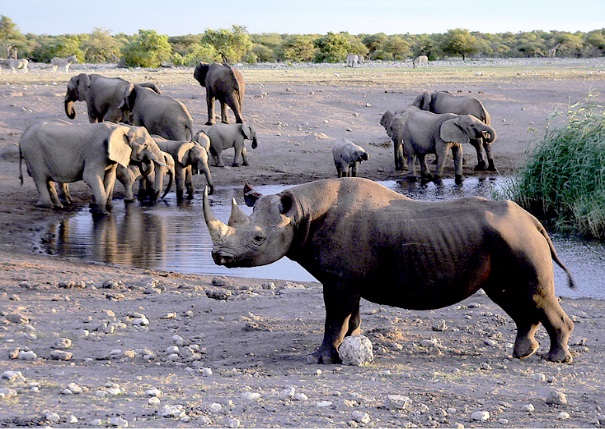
(85, 344)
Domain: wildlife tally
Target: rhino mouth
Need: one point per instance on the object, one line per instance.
(231, 261)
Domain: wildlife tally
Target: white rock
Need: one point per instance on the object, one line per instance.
(356, 350)
(153, 392)
(51, 416)
(178, 340)
(169, 411)
(563, 415)
(97, 422)
(323, 404)
(480, 416)
(528, 408)
(206, 372)
(234, 423)
(250, 396)
(556, 397)
(118, 422)
(172, 349)
(75, 388)
(398, 402)
(300, 397)
(7, 392)
(361, 417)
(141, 321)
(29, 355)
(538, 377)
(288, 392)
(13, 376)
(215, 407)
(61, 343)
(154, 400)
(72, 419)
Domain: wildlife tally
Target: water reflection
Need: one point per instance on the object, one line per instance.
(173, 237)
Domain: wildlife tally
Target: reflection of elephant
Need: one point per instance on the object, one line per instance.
(347, 156)
(187, 155)
(57, 151)
(150, 177)
(425, 132)
(418, 255)
(446, 102)
(225, 83)
(160, 114)
(224, 136)
(420, 60)
(393, 125)
(103, 96)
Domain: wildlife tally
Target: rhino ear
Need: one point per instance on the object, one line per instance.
(286, 203)
(250, 195)
(450, 132)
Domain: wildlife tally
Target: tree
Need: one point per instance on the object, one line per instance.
(101, 47)
(148, 49)
(374, 42)
(397, 47)
(459, 41)
(10, 36)
(195, 53)
(333, 48)
(298, 48)
(232, 45)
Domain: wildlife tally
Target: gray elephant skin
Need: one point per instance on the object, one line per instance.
(224, 83)
(347, 156)
(150, 177)
(60, 152)
(225, 136)
(393, 125)
(103, 96)
(160, 114)
(446, 102)
(425, 132)
(187, 155)
(409, 254)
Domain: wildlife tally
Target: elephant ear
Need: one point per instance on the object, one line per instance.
(118, 146)
(246, 131)
(201, 70)
(128, 98)
(450, 132)
(183, 152)
(423, 101)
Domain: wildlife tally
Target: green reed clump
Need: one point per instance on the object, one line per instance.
(563, 182)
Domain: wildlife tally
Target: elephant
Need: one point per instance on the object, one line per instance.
(425, 132)
(347, 156)
(224, 136)
(160, 114)
(393, 125)
(446, 102)
(187, 155)
(418, 255)
(224, 83)
(420, 60)
(103, 96)
(150, 177)
(60, 152)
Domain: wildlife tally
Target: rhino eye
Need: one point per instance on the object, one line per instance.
(258, 239)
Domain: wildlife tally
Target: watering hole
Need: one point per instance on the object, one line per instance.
(173, 237)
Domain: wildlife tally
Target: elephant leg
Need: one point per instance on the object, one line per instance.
(425, 174)
(490, 158)
(224, 114)
(457, 155)
(180, 183)
(481, 155)
(54, 197)
(353, 169)
(411, 166)
(189, 183)
(45, 188)
(339, 170)
(398, 155)
(96, 184)
(244, 157)
(109, 183)
(237, 155)
(219, 160)
(210, 104)
(339, 312)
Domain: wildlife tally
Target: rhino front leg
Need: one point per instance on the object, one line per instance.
(342, 319)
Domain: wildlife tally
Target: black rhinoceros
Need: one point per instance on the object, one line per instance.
(362, 240)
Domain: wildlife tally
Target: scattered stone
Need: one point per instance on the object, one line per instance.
(17, 318)
(480, 416)
(13, 376)
(13, 353)
(172, 411)
(140, 321)
(398, 402)
(7, 392)
(178, 340)
(440, 327)
(250, 396)
(287, 393)
(118, 422)
(528, 408)
(485, 366)
(234, 423)
(206, 372)
(62, 343)
(268, 286)
(538, 377)
(356, 350)
(51, 416)
(61, 355)
(323, 404)
(218, 294)
(75, 388)
(27, 355)
(563, 415)
(215, 407)
(72, 419)
(361, 417)
(556, 398)
(154, 401)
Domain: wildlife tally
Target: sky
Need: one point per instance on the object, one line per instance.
(181, 17)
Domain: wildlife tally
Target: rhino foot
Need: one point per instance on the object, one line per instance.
(324, 356)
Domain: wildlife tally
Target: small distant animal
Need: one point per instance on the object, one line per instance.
(347, 156)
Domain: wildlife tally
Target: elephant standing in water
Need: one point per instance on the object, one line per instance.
(410, 254)
(60, 152)
(425, 132)
(224, 83)
(446, 102)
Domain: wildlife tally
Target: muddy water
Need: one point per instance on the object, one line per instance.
(173, 237)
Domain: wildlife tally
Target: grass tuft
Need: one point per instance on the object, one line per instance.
(563, 182)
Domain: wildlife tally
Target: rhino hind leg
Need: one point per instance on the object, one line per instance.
(559, 327)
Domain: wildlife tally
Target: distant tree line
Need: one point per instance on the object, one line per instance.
(148, 48)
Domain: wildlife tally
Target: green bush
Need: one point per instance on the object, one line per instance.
(148, 49)
(563, 182)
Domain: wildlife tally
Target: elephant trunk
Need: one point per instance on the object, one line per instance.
(489, 135)
(171, 174)
(254, 143)
(69, 108)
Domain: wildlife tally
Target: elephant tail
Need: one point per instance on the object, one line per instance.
(20, 168)
(555, 257)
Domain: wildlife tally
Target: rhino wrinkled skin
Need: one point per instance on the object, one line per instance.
(362, 240)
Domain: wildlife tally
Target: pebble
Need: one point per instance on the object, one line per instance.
(528, 408)
(13, 376)
(215, 407)
(17, 318)
(323, 404)
(154, 401)
(557, 398)
(61, 343)
(563, 415)
(480, 416)
(118, 422)
(398, 402)
(356, 350)
(7, 392)
(141, 321)
(250, 396)
(538, 377)
(61, 355)
(361, 417)
(206, 372)
(178, 340)
(299, 396)
(169, 411)
(234, 423)
(74, 388)
(27, 355)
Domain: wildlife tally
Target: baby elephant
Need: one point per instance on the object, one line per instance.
(224, 136)
(347, 156)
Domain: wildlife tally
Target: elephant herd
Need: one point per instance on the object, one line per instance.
(135, 133)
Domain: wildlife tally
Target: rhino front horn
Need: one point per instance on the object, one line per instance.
(216, 228)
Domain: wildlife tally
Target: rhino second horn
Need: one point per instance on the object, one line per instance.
(238, 217)
(216, 228)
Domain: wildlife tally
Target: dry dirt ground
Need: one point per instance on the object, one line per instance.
(85, 344)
